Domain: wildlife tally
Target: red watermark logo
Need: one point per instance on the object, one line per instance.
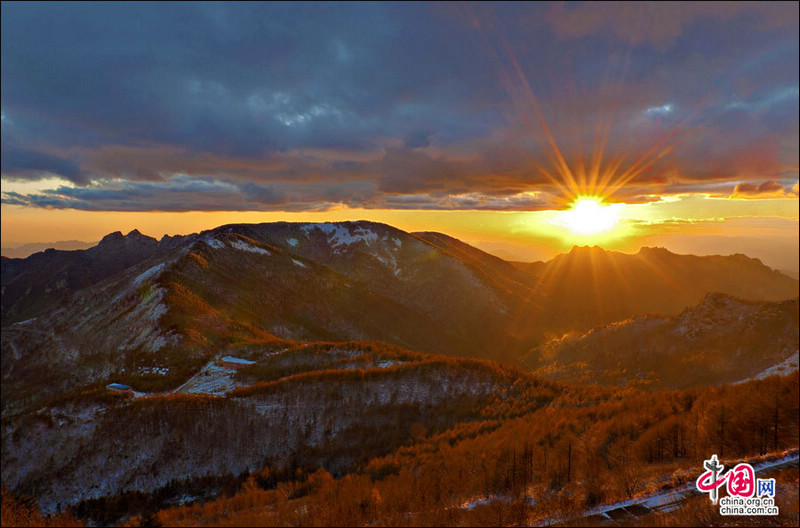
(747, 495)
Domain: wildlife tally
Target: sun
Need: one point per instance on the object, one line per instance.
(588, 215)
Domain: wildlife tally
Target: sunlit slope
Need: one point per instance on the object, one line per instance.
(590, 286)
(721, 340)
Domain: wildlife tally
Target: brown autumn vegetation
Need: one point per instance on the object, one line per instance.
(342, 441)
(538, 453)
(698, 511)
(722, 340)
(19, 512)
(204, 326)
(344, 414)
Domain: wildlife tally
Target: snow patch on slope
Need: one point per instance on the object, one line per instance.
(143, 318)
(212, 379)
(389, 261)
(214, 243)
(788, 365)
(339, 236)
(298, 263)
(244, 246)
(386, 363)
(149, 273)
(344, 237)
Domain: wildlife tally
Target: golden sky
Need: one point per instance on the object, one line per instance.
(490, 122)
(765, 228)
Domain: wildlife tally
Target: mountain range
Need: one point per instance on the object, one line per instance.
(350, 340)
(721, 340)
(73, 317)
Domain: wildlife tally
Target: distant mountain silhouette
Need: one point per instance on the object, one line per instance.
(26, 250)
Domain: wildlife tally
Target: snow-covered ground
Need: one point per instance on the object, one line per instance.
(241, 245)
(211, 379)
(382, 364)
(390, 261)
(339, 235)
(149, 273)
(385, 363)
(244, 246)
(482, 501)
(788, 365)
(154, 370)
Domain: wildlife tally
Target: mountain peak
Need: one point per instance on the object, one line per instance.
(586, 249)
(644, 250)
(116, 236)
(134, 238)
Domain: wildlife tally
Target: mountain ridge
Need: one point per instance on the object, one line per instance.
(136, 302)
(52, 271)
(731, 339)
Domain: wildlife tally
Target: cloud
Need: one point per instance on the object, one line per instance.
(184, 193)
(784, 93)
(661, 110)
(22, 163)
(418, 139)
(213, 106)
(769, 187)
(660, 24)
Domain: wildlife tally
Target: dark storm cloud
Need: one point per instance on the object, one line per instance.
(26, 163)
(179, 193)
(234, 79)
(364, 104)
(184, 193)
